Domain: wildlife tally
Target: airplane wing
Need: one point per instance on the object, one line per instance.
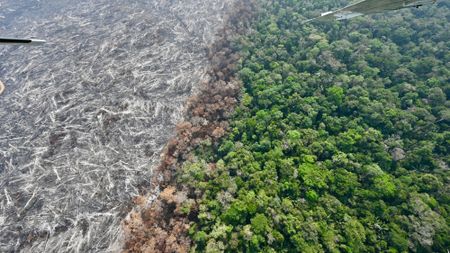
(370, 7)
(14, 41)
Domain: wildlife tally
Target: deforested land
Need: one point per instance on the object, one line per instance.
(83, 118)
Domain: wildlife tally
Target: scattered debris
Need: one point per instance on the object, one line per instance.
(2, 87)
(87, 114)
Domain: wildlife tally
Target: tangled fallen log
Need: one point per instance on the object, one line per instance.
(2, 87)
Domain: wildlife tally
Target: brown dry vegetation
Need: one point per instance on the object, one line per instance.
(160, 226)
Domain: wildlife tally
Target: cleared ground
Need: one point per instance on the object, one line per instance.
(83, 118)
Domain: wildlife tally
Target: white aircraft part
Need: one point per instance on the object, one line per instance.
(347, 15)
(37, 42)
(326, 13)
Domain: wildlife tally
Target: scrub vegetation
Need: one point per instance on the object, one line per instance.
(340, 142)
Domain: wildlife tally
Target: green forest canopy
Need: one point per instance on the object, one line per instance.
(341, 141)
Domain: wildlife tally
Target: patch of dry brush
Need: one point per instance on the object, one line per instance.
(159, 225)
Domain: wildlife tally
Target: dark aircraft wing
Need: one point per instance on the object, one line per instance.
(14, 41)
(369, 7)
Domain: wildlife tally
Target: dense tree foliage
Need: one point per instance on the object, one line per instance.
(341, 141)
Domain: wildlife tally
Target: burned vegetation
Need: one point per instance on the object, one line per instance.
(161, 224)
